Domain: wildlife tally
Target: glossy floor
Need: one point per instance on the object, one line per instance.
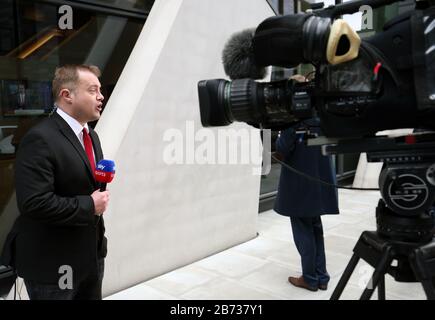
(258, 269)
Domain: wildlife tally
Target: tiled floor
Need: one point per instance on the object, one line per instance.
(258, 269)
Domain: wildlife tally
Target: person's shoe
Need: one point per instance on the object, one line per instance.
(323, 286)
(300, 283)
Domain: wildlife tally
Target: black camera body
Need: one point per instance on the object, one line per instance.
(360, 87)
(388, 82)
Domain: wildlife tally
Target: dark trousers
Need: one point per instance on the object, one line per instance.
(308, 237)
(87, 289)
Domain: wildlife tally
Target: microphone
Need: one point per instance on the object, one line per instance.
(238, 57)
(105, 172)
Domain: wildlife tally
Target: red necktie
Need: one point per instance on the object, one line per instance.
(88, 148)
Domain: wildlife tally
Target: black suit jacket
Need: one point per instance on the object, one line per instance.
(57, 225)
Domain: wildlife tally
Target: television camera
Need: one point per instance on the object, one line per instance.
(360, 87)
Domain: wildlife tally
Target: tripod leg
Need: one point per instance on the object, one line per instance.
(345, 277)
(381, 288)
(423, 270)
(379, 273)
(428, 288)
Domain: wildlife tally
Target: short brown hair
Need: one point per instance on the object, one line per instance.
(67, 76)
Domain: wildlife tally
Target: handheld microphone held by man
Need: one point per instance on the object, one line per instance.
(105, 172)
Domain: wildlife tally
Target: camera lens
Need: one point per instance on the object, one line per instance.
(268, 103)
(222, 102)
(212, 104)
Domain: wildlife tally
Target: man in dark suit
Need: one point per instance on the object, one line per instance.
(19, 99)
(57, 244)
(304, 201)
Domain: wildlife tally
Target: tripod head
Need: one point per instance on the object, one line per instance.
(406, 182)
(405, 219)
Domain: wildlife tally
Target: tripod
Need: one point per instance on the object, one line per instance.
(409, 241)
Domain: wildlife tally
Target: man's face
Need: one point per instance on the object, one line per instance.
(21, 88)
(87, 99)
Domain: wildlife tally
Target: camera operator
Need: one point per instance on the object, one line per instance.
(304, 201)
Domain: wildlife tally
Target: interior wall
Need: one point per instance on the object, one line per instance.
(163, 216)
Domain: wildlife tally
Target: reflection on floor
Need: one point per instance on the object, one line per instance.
(258, 269)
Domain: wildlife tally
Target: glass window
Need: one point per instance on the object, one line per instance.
(31, 47)
(282, 6)
(142, 5)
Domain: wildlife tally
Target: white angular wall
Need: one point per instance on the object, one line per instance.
(162, 216)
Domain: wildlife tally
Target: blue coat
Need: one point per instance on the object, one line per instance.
(297, 196)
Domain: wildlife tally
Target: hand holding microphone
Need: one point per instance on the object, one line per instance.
(104, 173)
(101, 201)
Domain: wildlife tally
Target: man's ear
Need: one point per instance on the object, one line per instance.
(66, 94)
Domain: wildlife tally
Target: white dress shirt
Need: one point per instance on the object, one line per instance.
(75, 126)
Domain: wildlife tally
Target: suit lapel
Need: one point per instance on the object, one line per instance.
(72, 138)
(96, 145)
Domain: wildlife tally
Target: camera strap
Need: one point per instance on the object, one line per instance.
(378, 57)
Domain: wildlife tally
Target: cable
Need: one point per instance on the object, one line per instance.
(318, 180)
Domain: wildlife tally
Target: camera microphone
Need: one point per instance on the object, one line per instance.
(105, 172)
(238, 57)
